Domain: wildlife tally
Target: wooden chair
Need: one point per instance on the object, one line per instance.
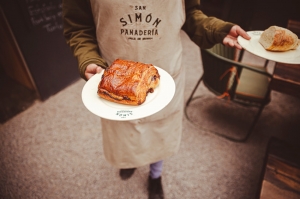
(233, 81)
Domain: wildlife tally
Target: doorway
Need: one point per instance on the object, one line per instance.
(17, 88)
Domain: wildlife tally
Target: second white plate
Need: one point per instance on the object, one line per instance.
(253, 46)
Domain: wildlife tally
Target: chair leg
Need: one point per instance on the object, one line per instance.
(221, 135)
(253, 123)
(266, 63)
(193, 92)
(241, 55)
(261, 108)
(249, 131)
(231, 138)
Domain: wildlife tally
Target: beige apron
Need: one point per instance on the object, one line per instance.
(149, 32)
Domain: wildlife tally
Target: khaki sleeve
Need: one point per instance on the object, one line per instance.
(80, 35)
(203, 30)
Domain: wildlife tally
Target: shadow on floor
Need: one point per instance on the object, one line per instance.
(14, 98)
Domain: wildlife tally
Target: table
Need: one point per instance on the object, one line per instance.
(286, 79)
(281, 171)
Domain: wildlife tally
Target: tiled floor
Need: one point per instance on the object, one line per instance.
(54, 150)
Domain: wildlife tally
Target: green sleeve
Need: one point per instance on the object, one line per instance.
(203, 30)
(80, 35)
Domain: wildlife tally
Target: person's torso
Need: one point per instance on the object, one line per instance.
(145, 31)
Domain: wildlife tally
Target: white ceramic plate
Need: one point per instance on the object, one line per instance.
(254, 47)
(155, 101)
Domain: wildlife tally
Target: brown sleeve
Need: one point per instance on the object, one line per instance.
(80, 35)
(203, 30)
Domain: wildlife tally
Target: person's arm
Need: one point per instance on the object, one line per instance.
(80, 35)
(207, 31)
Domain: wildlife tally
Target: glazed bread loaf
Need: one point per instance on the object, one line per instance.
(128, 82)
(278, 39)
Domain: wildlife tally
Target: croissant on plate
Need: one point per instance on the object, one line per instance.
(128, 82)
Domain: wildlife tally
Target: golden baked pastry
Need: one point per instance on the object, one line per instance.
(278, 39)
(128, 82)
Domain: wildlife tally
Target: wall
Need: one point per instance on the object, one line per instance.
(37, 26)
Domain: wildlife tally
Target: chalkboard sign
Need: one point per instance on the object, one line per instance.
(38, 28)
(43, 14)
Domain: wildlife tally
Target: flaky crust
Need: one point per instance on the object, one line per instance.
(128, 82)
(278, 39)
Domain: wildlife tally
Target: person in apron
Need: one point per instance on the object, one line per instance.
(100, 31)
